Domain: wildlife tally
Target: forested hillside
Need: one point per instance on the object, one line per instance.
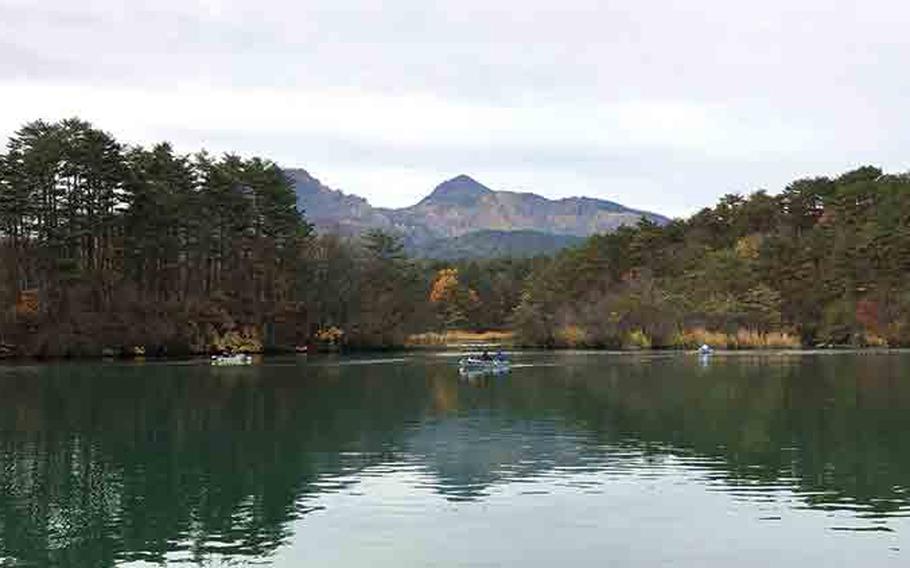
(826, 261)
(108, 248)
(112, 248)
(497, 244)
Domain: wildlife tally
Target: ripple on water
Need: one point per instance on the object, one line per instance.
(397, 463)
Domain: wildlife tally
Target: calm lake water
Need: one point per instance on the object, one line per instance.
(573, 459)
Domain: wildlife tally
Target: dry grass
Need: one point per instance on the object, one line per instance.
(743, 339)
(458, 337)
(572, 336)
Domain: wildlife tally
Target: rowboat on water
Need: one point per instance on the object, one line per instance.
(479, 365)
(232, 360)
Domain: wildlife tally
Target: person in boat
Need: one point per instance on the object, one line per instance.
(486, 356)
(499, 355)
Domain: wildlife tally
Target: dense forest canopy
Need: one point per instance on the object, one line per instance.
(824, 262)
(113, 247)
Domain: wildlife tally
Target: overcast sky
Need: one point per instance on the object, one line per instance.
(656, 104)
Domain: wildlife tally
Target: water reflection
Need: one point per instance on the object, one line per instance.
(106, 463)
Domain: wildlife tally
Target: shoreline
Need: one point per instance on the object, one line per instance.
(463, 347)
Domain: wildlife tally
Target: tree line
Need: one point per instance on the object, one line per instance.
(108, 247)
(824, 262)
(113, 248)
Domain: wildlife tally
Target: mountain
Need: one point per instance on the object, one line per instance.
(333, 211)
(462, 206)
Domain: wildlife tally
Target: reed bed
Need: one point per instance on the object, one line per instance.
(742, 339)
(459, 337)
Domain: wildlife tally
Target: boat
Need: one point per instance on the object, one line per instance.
(705, 349)
(478, 365)
(232, 360)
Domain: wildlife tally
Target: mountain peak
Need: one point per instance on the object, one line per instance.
(460, 190)
(509, 222)
(462, 178)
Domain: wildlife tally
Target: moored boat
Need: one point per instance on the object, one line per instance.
(232, 360)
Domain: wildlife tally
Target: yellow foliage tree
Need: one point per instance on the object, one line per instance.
(452, 299)
(445, 286)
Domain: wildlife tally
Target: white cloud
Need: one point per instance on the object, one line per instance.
(657, 105)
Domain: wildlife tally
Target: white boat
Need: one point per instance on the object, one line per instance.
(705, 349)
(477, 365)
(232, 360)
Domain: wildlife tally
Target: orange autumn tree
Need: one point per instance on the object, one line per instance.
(452, 300)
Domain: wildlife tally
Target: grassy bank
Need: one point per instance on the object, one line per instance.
(742, 339)
(457, 337)
(577, 337)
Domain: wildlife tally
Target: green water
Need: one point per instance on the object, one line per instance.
(592, 459)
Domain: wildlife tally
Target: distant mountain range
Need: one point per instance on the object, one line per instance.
(462, 218)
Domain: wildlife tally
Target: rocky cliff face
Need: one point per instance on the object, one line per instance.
(461, 206)
(333, 211)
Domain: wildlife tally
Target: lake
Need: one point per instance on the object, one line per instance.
(573, 459)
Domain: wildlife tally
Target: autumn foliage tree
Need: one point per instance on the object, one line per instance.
(452, 300)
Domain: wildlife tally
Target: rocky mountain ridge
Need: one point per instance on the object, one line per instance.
(461, 206)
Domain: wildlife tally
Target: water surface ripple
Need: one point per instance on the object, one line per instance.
(583, 459)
